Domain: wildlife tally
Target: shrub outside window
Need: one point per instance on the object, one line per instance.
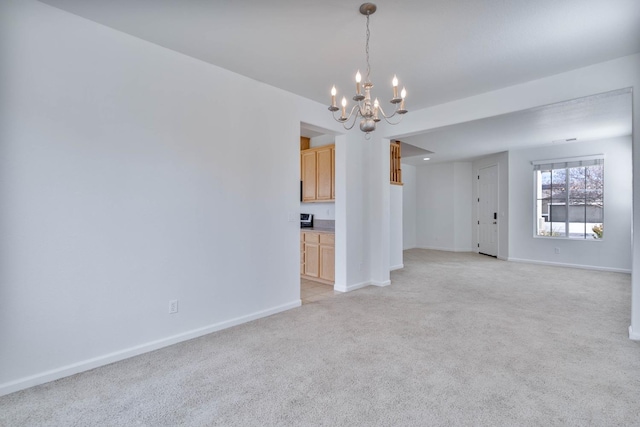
(569, 198)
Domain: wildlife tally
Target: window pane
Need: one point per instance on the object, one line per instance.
(570, 201)
(577, 203)
(544, 197)
(559, 183)
(557, 210)
(556, 229)
(594, 185)
(594, 189)
(577, 185)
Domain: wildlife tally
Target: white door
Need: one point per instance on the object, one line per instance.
(488, 211)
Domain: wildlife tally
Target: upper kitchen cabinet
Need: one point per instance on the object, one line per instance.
(324, 166)
(317, 167)
(309, 172)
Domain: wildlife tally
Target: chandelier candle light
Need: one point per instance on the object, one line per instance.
(364, 108)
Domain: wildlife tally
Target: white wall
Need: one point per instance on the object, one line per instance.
(352, 164)
(443, 198)
(395, 227)
(462, 211)
(614, 251)
(409, 232)
(379, 208)
(501, 160)
(128, 180)
(319, 210)
(435, 205)
(319, 141)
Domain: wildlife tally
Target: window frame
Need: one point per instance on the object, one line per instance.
(565, 164)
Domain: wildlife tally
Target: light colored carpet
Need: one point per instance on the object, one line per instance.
(457, 339)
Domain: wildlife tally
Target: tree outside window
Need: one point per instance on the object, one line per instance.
(570, 199)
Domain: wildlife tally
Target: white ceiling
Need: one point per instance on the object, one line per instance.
(605, 115)
(441, 50)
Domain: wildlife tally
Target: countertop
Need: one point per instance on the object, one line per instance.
(319, 230)
(321, 226)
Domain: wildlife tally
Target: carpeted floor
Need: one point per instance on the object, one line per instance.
(457, 339)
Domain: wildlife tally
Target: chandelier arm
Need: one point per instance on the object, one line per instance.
(349, 127)
(386, 118)
(353, 110)
(346, 120)
(383, 113)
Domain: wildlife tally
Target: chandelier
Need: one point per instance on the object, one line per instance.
(370, 112)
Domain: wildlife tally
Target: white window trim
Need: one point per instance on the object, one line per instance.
(568, 159)
(559, 163)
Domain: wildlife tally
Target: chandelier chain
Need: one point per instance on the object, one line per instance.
(367, 49)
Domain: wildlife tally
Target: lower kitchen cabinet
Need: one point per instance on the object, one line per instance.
(327, 257)
(317, 256)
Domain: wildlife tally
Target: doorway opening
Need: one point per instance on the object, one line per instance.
(317, 207)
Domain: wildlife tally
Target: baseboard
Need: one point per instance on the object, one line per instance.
(633, 335)
(562, 264)
(385, 283)
(350, 288)
(396, 267)
(437, 248)
(96, 362)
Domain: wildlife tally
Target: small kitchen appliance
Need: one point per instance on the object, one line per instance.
(306, 220)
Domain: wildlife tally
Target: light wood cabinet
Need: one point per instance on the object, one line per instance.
(301, 253)
(312, 259)
(324, 173)
(309, 172)
(317, 257)
(327, 257)
(317, 167)
(333, 172)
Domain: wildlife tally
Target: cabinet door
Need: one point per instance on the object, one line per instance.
(325, 172)
(301, 253)
(311, 259)
(327, 257)
(327, 262)
(309, 175)
(333, 173)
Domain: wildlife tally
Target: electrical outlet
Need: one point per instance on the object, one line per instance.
(556, 250)
(173, 306)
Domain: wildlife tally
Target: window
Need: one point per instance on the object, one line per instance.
(569, 198)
